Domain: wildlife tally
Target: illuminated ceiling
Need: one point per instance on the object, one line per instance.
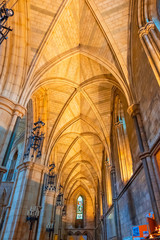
(76, 64)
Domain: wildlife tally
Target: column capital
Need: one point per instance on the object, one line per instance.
(134, 109)
(146, 29)
(33, 166)
(11, 107)
(112, 170)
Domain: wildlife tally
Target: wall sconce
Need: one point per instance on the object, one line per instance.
(50, 229)
(64, 211)
(5, 13)
(59, 201)
(32, 216)
(51, 176)
(51, 179)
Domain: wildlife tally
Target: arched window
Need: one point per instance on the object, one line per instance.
(125, 159)
(12, 167)
(80, 207)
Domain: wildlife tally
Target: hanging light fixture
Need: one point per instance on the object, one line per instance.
(5, 13)
(32, 217)
(64, 211)
(59, 201)
(35, 140)
(51, 179)
(50, 229)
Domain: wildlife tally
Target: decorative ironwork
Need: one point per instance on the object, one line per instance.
(35, 141)
(59, 200)
(51, 168)
(64, 211)
(50, 229)
(51, 183)
(32, 216)
(51, 179)
(5, 13)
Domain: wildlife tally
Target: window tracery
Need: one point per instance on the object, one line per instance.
(12, 167)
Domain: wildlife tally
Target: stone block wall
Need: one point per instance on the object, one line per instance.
(145, 84)
(134, 205)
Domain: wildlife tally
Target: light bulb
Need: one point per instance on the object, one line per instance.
(9, 12)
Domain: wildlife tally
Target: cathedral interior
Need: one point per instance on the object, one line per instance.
(79, 119)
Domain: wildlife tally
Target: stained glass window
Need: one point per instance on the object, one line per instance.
(80, 208)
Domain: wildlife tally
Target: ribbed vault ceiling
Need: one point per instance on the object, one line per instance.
(72, 88)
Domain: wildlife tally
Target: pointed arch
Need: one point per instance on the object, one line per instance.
(62, 130)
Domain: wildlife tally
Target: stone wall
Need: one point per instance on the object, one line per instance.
(5, 193)
(88, 213)
(134, 205)
(145, 84)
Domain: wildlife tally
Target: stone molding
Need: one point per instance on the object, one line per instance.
(134, 109)
(151, 151)
(135, 174)
(112, 169)
(33, 166)
(12, 108)
(146, 29)
(3, 169)
(150, 42)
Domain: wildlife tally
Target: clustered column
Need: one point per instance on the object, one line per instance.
(134, 111)
(47, 212)
(26, 193)
(9, 112)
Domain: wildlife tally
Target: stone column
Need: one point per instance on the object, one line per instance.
(63, 233)
(25, 194)
(47, 212)
(151, 45)
(57, 220)
(134, 111)
(9, 111)
(60, 224)
(115, 202)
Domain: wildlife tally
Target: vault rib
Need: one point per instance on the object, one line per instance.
(78, 163)
(60, 132)
(84, 162)
(69, 149)
(74, 178)
(77, 189)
